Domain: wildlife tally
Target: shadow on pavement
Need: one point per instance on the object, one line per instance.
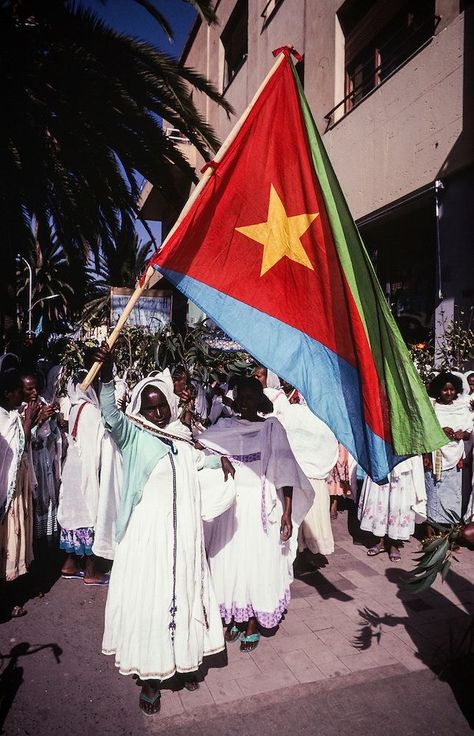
(452, 656)
(11, 675)
(43, 574)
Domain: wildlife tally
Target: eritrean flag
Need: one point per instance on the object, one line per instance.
(269, 250)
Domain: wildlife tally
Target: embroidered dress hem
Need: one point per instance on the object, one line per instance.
(77, 541)
(386, 508)
(160, 675)
(266, 619)
(161, 615)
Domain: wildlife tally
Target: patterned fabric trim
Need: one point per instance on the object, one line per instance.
(167, 437)
(253, 457)
(266, 619)
(77, 541)
(160, 675)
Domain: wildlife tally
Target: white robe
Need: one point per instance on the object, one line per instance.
(16, 520)
(251, 568)
(91, 480)
(12, 445)
(139, 622)
(315, 448)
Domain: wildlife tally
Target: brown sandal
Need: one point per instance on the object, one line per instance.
(377, 550)
(18, 612)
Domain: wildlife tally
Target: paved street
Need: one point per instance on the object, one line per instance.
(353, 655)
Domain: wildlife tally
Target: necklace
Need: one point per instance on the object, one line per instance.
(160, 432)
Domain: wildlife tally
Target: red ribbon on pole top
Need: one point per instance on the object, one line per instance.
(287, 50)
(209, 165)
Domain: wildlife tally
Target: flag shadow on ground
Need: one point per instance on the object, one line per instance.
(445, 644)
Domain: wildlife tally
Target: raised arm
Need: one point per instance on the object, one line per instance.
(114, 419)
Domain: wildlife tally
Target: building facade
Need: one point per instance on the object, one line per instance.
(390, 88)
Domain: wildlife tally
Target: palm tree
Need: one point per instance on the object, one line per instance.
(81, 124)
(53, 293)
(119, 264)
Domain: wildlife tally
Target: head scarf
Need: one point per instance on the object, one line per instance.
(52, 379)
(161, 381)
(200, 402)
(465, 384)
(272, 379)
(77, 395)
(10, 360)
(466, 376)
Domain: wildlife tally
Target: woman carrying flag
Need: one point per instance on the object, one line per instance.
(161, 616)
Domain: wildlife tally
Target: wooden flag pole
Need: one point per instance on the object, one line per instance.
(119, 326)
(208, 171)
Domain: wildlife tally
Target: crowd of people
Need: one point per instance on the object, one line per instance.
(204, 496)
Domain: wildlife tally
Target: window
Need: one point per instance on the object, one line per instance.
(379, 37)
(269, 11)
(234, 40)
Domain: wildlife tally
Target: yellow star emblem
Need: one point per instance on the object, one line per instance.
(280, 235)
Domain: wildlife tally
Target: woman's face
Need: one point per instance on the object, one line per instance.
(470, 381)
(154, 407)
(180, 382)
(247, 403)
(447, 394)
(261, 375)
(30, 388)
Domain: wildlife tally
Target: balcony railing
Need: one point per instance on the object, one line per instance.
(175, 135)
(395, 61)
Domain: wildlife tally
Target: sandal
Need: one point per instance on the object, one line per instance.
(191, 686)
(150, 706)
(250, 639)
(104, 580)
(395, 556)
(377, 550)
(18, 612)
(78, 575)
(232, 634)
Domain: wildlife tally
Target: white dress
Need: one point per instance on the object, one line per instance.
(315, 448)
(161, 559)
(91, 481)
(251, 568)
(390, 508)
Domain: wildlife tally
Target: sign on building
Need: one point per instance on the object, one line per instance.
(153, 309)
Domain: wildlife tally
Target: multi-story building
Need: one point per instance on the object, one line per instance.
(390, 86)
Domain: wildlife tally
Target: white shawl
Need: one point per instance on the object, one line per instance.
(314, 445)
(457, 416)
(92, 474)
(12, 445)
(278, 465)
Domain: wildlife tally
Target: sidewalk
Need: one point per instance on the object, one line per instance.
(348, 629)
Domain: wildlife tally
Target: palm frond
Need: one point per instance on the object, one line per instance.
(81, 122)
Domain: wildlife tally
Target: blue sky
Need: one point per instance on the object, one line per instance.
(128, 17)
